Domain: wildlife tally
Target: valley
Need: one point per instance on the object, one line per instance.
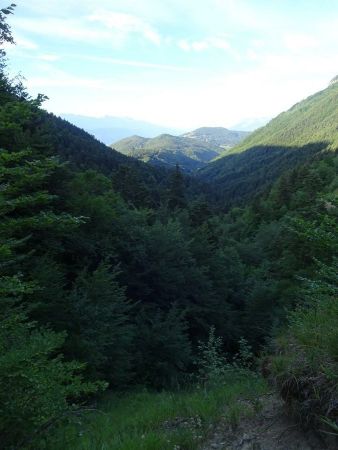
(191, 151)
(174, 292)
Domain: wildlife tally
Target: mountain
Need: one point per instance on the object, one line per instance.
(137, 182)
(108, 129)
(292, 137)
(311, 120)
(168, 150)
(131, 145)
(191, 150)
(217, 136)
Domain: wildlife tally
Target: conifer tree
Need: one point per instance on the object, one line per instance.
(37, 388)
(176, 196)
(101, 333)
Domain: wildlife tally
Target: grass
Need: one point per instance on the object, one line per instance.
(160, 421)
(310, 343)
(305, 366)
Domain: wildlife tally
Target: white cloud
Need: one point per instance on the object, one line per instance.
(53, 78)
(126, 24)
(22, 43)
(252, 55)
(276, 57)
(49, 57)
(199, 46)
(133, 63)
(100, 26)
(148, 9)
(298, 42)
(70, 29)
(205, 44)
(274, 85)
(184, 45)
(244, 14)
(219, 43)
(258, 43)
(25, 43)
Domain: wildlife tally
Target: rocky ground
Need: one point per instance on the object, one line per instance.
(267, 428)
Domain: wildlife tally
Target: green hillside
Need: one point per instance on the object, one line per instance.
(132, 178)
(130, 145)
(311, 120)
(307, 128)
(167, 150)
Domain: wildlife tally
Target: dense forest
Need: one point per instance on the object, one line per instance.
(114, 272)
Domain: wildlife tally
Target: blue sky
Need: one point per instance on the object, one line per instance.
(180, 63)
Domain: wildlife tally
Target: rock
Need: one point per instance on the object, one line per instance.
(256, 446)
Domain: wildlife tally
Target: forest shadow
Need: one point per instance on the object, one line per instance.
(246, 174)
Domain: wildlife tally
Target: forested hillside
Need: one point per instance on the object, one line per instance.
(191, 151)
(167, 151)
(292, 137)
(117, 277)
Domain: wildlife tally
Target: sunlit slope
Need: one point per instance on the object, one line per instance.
(291, 138)
(311, 120)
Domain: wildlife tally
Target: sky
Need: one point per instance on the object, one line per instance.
(178, 63)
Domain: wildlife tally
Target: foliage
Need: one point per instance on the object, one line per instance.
(215, 368)
(101, 332)
(166, 420)
(163, 350)
(306, 364)
(212, 365)
(37, 388)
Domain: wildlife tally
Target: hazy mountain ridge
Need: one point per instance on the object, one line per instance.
(108, 129)
(191, 151)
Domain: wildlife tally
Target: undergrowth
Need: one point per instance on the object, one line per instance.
(153, 421)
(305, 365)
(179, 420)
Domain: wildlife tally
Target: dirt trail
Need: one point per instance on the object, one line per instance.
(268, 429)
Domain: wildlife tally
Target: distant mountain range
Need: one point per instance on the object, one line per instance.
(191, 150)
(109, 129)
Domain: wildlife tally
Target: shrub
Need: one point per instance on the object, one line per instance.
(305, 366)
(214, 366)
(37, 388)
